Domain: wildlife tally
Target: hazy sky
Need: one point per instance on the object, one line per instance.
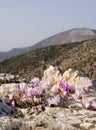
(25, 22)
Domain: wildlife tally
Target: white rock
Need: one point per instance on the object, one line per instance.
(73, 77)
(76, 78)
(86, 125)
(7, 89)
(52, 74)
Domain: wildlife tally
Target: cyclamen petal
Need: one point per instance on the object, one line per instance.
(13, 103)
(46, 85)
(64, 86)
(30, 93)
(89, 83)
(33, 92)
(54, 101)
(86, 105)
(34, 82)
(36, 91)
(72, 90)
(23, 87)
(65, 94)
(54, 90)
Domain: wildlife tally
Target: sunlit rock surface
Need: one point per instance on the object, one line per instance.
(52, 118)
(76, 78)
(52, 74)
(73, 77)
(7, 89)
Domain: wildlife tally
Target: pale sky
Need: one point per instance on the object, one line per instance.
(26, 22)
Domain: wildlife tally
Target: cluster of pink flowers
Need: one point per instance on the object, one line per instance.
(46, 94)
(37, 90)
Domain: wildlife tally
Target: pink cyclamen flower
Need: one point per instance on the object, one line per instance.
(65, 94)
(23, 87)
(88, 85)
(71, 90)
(86, 105)
(36, 91)
(33, 92)
(35, 82)
(54, 101)
(64, 86)
(46, 85)
(30, 93)
(54, 90)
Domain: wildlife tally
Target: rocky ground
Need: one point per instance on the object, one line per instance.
(69, 117)
(57, 118)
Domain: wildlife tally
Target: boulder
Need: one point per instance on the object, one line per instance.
(7, 89)
(9, 78)
(71, 76)
(77, 79)
(52, 74)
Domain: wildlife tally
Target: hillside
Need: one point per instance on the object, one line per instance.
(80, 56)
(70, 36)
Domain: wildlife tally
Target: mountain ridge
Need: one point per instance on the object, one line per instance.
(70, 36)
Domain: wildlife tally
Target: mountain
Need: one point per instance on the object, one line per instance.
(13, 52)
(78, 55)
(74, 35)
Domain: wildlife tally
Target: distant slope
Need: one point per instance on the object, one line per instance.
(74, 35)
(71, 36)
(81, 56)
(13, 52)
